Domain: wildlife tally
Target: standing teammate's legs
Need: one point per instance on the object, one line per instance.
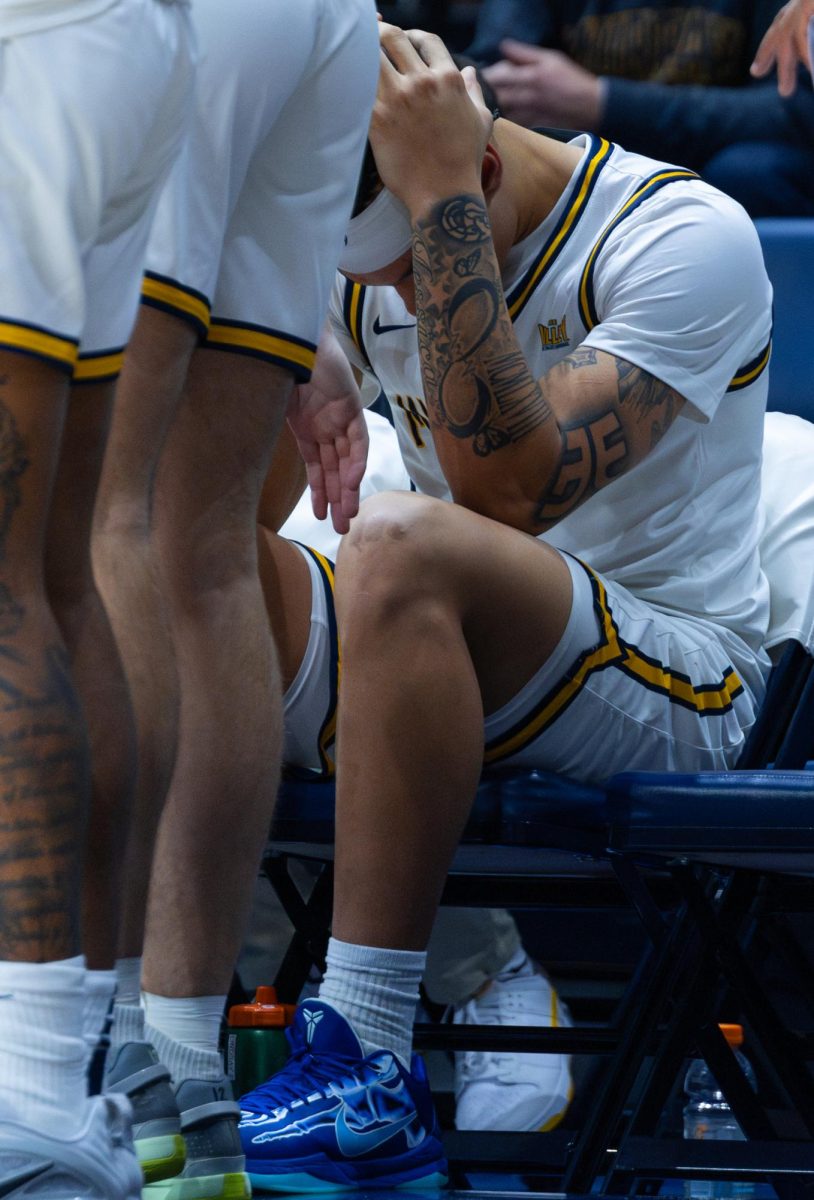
(67, 207)
(278, 156)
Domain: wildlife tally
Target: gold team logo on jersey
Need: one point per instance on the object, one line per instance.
(554, 335)
(418, 420)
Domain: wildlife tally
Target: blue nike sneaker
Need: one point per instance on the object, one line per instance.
(333, 1120)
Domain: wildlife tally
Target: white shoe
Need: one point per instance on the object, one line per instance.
(97, 1163)
(496, 1090)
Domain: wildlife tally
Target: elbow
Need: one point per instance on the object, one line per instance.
(507, 506)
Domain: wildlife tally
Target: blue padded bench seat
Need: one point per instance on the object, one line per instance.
(758, 819)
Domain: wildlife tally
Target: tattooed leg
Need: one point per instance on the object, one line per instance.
(43, 747)
(94, 664)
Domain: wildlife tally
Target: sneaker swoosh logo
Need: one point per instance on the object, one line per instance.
(352, 1143)
(9, 1185)
(379, 328)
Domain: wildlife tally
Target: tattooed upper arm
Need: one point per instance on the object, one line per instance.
(522, 450)
(622, 415)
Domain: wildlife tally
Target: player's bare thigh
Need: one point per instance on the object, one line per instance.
(511, 592)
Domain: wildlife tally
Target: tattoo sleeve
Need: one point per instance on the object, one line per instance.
(652, 403)
(44, 777)
(594, 453)
(604, 445)
(477, 383)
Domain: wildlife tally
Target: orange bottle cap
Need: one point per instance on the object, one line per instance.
(264, 1013)
(733, 1034)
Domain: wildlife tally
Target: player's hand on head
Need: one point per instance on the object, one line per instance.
(430, 126)
(327, 419)
(785, 45)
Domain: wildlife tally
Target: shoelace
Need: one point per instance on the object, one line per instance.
(303, 1075)
(474, 1064)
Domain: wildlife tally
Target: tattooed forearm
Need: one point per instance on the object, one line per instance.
(477, 383)
(582, 356)
(594, 453)
(652, 401)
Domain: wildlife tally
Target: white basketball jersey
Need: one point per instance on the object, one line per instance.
(646, 262)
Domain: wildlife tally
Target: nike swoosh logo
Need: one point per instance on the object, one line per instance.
(379, 328)
(353, 1144)
(9, 1185)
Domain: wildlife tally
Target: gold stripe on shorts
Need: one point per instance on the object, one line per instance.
(707, 699)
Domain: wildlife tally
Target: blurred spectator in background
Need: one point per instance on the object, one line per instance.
(788, 42)
(665, 78)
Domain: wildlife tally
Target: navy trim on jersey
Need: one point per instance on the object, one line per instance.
(582, 189)
(644, 191)
(753, 370)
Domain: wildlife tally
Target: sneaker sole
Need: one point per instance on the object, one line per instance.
(161, 1157)
(554, 1121)
(232, 1186)
(301, 1182)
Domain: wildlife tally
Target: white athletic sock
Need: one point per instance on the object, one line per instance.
(128, 1024)
(100, 987)
(43, 1053)
(185, 1032)
(376, 990)
(128, 980)
(128, 1014)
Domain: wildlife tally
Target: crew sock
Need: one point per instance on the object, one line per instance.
(43, 1051)
(128, 1014)
(100, 987)
(185, 1032)
(376, 990)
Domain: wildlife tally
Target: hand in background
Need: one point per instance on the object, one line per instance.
(536, 86)
(785, 44)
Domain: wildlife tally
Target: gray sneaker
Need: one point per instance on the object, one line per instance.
(97, 1163)
(215, 1166)
(134, 1070)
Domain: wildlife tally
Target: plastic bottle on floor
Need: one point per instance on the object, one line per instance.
(256, 1045)
(708, 1116)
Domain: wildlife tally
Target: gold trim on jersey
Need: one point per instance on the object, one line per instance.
(353, 303)
(159, 291)
(654, 183)
(240, 337)
(23, 338)
(706, 699)
(753, 370)
(100, 367)
(599, 153)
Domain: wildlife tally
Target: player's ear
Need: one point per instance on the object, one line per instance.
(491, 172)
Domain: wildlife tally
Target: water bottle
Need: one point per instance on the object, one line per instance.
(708, 1116)
(256, 1045)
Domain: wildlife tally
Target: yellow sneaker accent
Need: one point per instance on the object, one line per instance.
(161, 1157)
(233, 1185)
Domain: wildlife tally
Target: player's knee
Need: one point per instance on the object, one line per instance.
(391, 555)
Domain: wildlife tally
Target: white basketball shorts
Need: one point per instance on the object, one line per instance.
(250, 227)
(92, 113)
(628, 687)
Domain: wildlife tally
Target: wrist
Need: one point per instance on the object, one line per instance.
(423, 200)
